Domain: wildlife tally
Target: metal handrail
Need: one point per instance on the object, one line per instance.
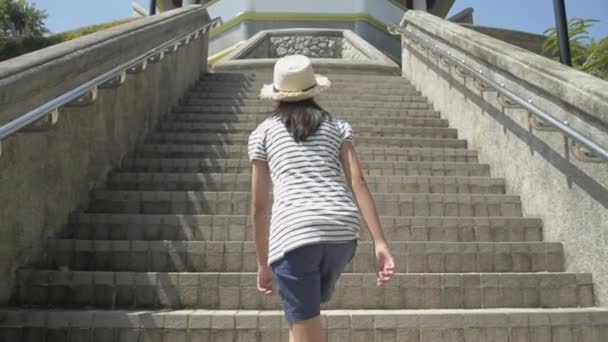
(40, 112)
(562, 126)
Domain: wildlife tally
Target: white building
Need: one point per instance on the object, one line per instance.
(368, 18)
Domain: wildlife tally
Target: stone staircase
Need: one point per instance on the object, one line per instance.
(165, 253)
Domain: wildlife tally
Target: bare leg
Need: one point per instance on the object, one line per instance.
(306, 331)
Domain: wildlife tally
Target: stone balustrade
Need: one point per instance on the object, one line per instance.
(570, 195)
(44, 176)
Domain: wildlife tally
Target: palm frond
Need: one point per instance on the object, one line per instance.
(588, 54)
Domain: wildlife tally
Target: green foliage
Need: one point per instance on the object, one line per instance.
(19, 19)
(597, 61)
(588, 55)
(10, 47)
(22, 29)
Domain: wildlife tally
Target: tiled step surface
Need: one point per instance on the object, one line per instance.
(355, 118)
(228, 121)
(453, 325)
(416, 109)
(225, 290)
(337, 84)
(369, 87)
(261, 75)
(365, 100)
(237, 203)
(242, 182)
(388, 169)
(234, 256)
(242, 139)
(367, 154)
(407, 103)
(365, 131)
(237, 228)
(171, 231)
(336, 78)
(254, 94)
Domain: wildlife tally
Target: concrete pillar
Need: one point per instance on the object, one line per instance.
(191, 2)
(420, 5)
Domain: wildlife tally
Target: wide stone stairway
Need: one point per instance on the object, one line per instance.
(164, 252)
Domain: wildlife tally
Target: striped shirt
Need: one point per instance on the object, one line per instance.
(312, 202)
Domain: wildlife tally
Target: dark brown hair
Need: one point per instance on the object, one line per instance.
(301, 118)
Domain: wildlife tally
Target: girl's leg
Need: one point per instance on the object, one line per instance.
(336, 257)
(306, 331)
(298, 279)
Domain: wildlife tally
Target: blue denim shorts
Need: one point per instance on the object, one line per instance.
(306, 277)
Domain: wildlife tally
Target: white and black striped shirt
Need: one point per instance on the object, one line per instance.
(312, 202)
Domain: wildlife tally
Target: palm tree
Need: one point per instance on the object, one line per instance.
(588, 55)
(597, 61)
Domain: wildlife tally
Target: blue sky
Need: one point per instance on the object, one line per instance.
(526, 15)
(534, 15)
(64, 15)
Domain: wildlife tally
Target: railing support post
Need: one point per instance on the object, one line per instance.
(561, 25)
(152, 7)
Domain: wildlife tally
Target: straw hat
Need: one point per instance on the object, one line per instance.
(294, 80)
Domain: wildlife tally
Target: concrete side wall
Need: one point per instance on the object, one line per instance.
(529, 41)
(373, 61)
(229, 38)
(46, 176)
(569, 195)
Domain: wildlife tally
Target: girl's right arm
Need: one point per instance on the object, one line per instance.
(385, 265)
(260, 207)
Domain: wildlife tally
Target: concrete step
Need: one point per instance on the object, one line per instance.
(250, 92)
(345, 111)
(257, 74)
(243, 138)
(360, 130)
(324, 102)
(254, 94)
(367, 154)
(402, 119)
(338, 92)
(238, 291)
(372, 72)
(86, 226)
(453, 325)
(267, 77)
(368, 85)
(237, 203)
(148, 181)
(229, 120)
(352, 116)
(196, 165)
(235, 256)
(336, 80)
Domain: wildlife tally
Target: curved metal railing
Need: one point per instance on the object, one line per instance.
(585, 148)
(47, 115)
